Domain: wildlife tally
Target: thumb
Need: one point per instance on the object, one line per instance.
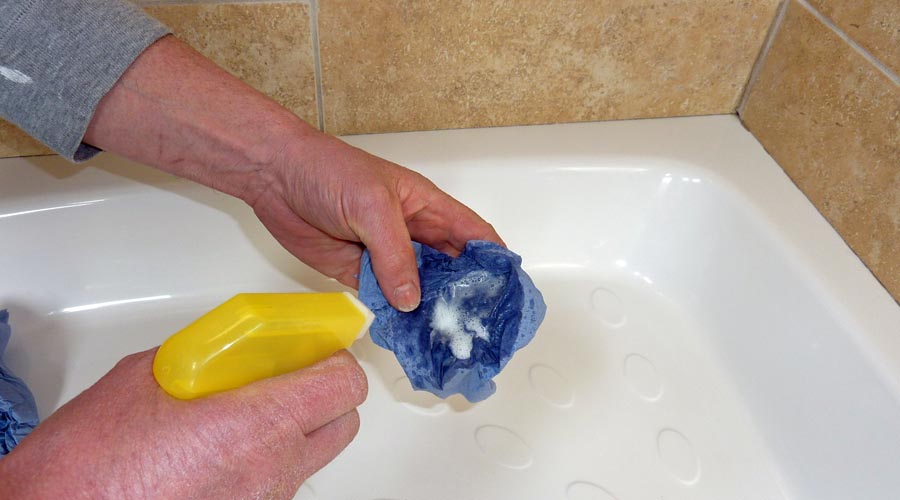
(385, 235)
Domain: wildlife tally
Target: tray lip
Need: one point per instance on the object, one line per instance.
(716, 148)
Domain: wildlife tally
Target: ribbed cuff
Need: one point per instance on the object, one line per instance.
(65, 55)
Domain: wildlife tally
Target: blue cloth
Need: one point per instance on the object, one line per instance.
(18, 412)
(476, 311)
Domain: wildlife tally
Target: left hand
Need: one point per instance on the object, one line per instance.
(327, 201)
(321, 198)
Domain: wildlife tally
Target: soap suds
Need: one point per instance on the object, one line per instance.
(474, 324)
(457, 325)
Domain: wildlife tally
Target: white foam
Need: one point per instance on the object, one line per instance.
(456, 327)
(476, 283)
(446, 322)
(474, 324)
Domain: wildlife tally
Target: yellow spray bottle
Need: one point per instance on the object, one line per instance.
(257, 335)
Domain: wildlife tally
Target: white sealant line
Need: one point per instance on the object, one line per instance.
(763, 55)
(317, 62)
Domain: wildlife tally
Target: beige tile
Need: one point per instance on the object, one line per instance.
(14, 142)
(391, 65)
(874, 24)
(267, 45)
(833, 123)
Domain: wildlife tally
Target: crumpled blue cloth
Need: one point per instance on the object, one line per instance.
(18, 412)
(476, 311)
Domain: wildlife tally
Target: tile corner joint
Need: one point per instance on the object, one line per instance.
(772, 32)
(317, 62)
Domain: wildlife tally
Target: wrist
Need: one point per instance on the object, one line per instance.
(202, 123)
(285, 145)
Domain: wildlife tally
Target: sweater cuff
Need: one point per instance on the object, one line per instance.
(65, 56)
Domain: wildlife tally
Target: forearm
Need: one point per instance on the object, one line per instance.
(320, 198)
(176, 110)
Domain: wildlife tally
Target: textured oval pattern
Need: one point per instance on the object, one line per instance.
(583, 490)
(504, 446)
(306, 492)
(643, 377)
(551, 385)
(608, 306)
(421, 402)
(678, 455)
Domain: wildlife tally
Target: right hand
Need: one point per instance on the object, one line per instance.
(126, 438)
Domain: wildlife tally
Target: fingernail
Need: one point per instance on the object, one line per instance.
(407, 297)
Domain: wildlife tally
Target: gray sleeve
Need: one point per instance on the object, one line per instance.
(58, 58)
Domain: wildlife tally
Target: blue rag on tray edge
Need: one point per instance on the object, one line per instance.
(18, 411)
(511, 318)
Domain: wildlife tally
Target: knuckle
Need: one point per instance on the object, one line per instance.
(356, 384)
(359, 383)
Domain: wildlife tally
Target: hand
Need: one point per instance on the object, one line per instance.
(126, 438)
(321, 198)
(327, 197)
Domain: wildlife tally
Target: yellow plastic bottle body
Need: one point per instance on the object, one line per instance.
(254, 336)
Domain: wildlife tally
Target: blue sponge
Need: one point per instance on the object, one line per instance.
(476, 311)
(18, 412)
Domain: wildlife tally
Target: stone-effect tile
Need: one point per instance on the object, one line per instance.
(832, 121)
(874, 24)
(14, 142)
(267, 45)
(391, 65)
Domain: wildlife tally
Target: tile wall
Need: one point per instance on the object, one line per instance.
(392, 65)
(826, 105)
(411, 65)
(267, 45)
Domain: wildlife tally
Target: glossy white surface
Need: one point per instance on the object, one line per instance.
(708, 335)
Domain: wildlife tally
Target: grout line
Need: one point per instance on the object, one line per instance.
(763, 55)
(317, 62)
(852, 43)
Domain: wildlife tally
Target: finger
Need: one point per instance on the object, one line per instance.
(325, 443)
(383, 232)
(447, 225)
(309, 398)
(468, 225)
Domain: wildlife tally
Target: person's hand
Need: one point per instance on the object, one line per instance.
(126, 438)
(321, 198)
(327, 199)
